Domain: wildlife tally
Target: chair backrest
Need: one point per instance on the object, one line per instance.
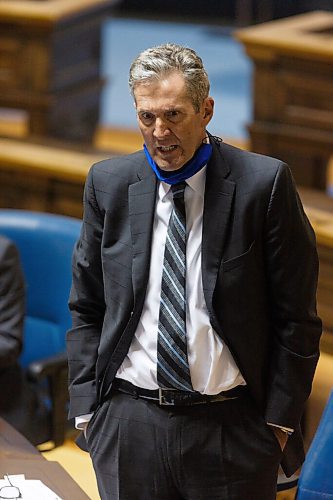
(45, 242)
(316, 479)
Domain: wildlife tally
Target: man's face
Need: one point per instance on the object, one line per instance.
(171, 128)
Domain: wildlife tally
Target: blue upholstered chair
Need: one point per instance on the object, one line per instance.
(45, 242)
(316, 479)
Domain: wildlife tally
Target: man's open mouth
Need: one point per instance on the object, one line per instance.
(166, 149)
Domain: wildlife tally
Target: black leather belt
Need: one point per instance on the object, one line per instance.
(172, 397)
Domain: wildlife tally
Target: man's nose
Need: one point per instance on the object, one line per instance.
(161, 128)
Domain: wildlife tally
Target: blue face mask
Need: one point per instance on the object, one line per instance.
(199, 160)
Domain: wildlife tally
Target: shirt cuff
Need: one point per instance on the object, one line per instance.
(82, 420)
(287, 430)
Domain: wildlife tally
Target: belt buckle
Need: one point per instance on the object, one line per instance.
(161, 397)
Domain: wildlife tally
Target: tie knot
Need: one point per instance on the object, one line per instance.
(178, 190)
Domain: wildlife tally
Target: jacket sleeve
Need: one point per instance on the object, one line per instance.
(292, 271)
(87, 306)
(12, 304)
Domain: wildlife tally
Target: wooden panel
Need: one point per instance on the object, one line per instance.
(293, 92)
(42, 177)
(10, 55)
(75, 53)
(73, 114)
(303, 37)
(319, 209)
(40, 194)
(290, 93)
(28, 191)
(325, 287)
(306, 151)
(28, 63)
(48, 12)
(50, 64)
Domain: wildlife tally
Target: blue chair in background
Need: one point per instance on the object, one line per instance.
(45, 242)
(316, 479)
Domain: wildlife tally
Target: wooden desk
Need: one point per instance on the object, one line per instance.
(47, 177)
(18, 456)
(293, 92)
(50, 63)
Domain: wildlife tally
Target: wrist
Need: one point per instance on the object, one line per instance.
(286, 430)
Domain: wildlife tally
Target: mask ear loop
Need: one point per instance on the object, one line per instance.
(217, 138)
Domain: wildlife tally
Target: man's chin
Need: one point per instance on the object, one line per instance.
(168, 163)
(167, 166)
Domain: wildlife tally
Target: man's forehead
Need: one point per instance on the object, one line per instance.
(153, 107)
(168, 85)
(161, 101)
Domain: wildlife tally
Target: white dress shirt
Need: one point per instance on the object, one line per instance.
(212, 366)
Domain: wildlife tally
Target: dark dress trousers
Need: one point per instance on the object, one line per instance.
(259, 271)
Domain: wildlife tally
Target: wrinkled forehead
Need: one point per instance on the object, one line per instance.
(168, 91)
(162, 81)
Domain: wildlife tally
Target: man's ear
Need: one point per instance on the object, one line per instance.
(208, 109)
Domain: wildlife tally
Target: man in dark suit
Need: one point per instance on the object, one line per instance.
(195, 335)
(19, 403)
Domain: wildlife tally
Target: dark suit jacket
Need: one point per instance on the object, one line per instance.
(259, 270)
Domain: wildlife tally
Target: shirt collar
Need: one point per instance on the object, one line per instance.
(196, 182)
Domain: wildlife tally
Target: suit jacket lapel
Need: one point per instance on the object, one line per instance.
(141, 197)
(219, 193)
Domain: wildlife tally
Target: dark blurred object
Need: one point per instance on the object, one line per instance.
(292, 93)
(20, 403)
(240, 12)
(50, 64)
(45, 243)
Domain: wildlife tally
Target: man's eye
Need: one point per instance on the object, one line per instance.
(146, 117)
(173, 115)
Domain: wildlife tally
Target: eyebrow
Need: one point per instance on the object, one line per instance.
(175, 108)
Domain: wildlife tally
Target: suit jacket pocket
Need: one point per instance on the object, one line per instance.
(239, 260)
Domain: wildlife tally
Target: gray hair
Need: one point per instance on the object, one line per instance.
(159, 61)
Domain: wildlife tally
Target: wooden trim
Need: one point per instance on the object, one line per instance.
(47, 161)
(46, 11)
(301, 35)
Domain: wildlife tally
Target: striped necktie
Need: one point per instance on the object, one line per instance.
(172, 363)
